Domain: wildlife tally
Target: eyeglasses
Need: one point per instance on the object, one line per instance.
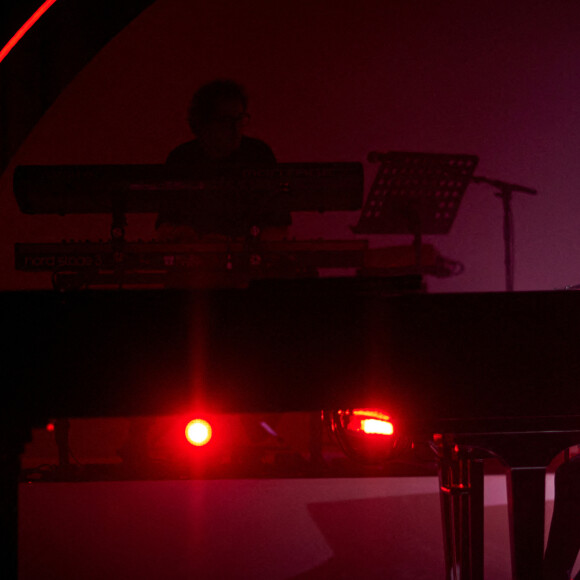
(240, 120)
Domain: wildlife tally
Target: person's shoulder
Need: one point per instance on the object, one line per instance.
(185, 153)
(258, 149)
(254, 143)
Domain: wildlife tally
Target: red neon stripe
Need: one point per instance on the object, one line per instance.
(25, 28)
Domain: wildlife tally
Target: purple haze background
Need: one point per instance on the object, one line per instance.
(331, 82)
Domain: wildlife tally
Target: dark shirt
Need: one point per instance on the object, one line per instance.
(250, 151)
(228, 219)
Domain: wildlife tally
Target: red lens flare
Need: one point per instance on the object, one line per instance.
(198, 432)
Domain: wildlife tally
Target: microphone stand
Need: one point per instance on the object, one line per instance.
(504, 192)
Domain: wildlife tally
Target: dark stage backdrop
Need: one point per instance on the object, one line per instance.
(331, 81)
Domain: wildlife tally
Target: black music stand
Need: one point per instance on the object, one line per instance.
(415, 193)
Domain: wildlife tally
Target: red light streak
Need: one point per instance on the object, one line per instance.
(25, 28)
(371, 413)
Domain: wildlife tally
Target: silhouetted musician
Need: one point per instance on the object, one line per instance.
(217, 117)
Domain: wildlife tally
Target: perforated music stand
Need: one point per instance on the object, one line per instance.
(416, 193)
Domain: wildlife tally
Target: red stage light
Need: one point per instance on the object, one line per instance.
(50, 427)
(377, 427)
(198, 432)
(368, 435)
(371, 422)
(25, 28)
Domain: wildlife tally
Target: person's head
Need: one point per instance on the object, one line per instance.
(217, 115)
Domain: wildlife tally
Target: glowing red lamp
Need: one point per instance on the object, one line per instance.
(371, 422)
(198, 432)
(368, 435)
(376, 427)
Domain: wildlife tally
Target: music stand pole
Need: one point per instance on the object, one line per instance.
(504, 192)
(415, 224)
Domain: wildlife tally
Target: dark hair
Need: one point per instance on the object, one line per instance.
(204, 101)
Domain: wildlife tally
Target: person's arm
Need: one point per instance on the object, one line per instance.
(169, 226)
